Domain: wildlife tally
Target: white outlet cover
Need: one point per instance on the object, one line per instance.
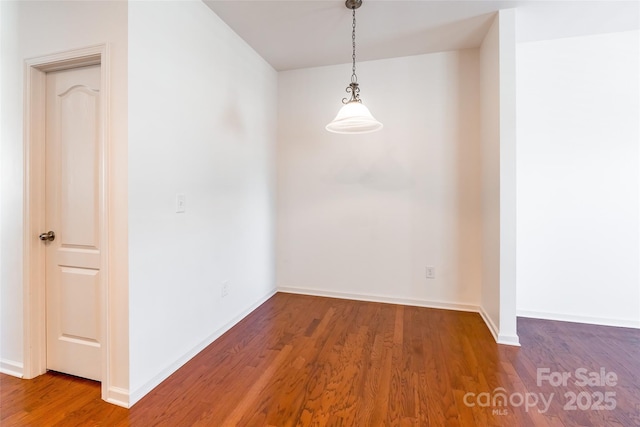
(431, 272)
(181, 203)
(225, 288)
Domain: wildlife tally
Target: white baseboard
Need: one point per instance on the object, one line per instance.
(381, 298)
(118, 396)
(13, 368)
(563, 317)
(504, 339)
(490, 325)
(140, 392)
(499, 338)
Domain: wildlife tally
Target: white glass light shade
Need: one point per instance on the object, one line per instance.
(354, 117)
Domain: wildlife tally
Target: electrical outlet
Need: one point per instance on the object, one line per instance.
(225, 288)
(431, 272)
(181, 203)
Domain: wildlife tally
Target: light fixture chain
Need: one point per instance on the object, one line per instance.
(354, 78)
(353, 117)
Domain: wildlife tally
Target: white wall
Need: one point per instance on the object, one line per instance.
(490, 137)
(361, 216)
(578, 179)
(39, 28)
(202, 122)
(497, 68)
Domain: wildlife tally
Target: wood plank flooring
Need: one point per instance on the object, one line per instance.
(311, 361)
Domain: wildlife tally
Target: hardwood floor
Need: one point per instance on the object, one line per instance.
(301, 360)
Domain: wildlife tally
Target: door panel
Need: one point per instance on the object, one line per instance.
(73, 213)
(78, 120)
(79, 321)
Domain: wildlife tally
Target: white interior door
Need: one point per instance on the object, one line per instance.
(73, 213)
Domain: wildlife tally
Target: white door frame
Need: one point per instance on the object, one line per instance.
(35, 349)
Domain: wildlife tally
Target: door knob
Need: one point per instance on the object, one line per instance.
(48, 236)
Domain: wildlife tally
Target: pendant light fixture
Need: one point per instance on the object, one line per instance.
(353, 117)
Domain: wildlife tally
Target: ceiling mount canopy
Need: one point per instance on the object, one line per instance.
(353, 4)
(354, 116)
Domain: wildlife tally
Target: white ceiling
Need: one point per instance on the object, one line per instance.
(293, 34)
